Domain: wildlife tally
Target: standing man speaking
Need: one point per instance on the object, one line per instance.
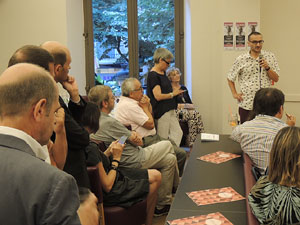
(255, 69)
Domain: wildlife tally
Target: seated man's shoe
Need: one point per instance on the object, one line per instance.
(160, 212)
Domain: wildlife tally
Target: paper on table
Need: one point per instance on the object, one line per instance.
(209, 137)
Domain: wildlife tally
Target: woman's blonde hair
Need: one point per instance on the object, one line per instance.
(162, 53)
(285, 157)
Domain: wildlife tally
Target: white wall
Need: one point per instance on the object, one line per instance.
(280, 26)
(209, 62)
(37, 21)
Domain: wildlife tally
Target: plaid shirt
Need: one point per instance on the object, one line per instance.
(256, 138)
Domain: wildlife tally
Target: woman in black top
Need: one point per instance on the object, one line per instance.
(185, 111)
(121, 186)
(161, 94)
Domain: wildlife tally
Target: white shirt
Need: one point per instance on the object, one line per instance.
(128, 112)
(40, 152)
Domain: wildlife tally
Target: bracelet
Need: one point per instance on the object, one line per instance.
(172, 95)
(114, 167)
(114, 160)
(267, 69)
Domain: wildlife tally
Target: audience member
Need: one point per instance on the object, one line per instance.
(122, 187)
(159, 156)
(185, 111)
(255, 69)
(275, 199)
(33, 192)
(161, 94)
(134, 109)
(57, 152)
(256, 136)
(77, 136)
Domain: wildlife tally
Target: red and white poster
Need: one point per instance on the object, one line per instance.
(252, 26)
(240, 35)
(228, 35)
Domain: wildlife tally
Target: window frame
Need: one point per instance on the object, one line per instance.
(132, 39)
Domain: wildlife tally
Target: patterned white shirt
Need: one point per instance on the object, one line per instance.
(247, 70)
(256, 138)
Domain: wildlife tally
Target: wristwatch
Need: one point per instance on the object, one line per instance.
(114, 167)
(172, 95)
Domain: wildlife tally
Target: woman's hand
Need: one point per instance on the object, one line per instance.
(180, 106)
(116, 150)
(178, 92)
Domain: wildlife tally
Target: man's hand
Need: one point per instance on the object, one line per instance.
(238, 96)
(88, 211)
(59, 125)
(290, 120)
(144, 102)
(263, 63)
(136, 139)
(71, 86)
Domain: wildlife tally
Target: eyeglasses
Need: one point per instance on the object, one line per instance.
(139, 89)
(257, 42)
(166, 61)
(175, 74)
(113, 97)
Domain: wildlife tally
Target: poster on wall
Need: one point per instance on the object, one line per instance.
(228, 35)
(252, 26)
(240, 36)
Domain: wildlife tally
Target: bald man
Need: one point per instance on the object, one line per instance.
(77, 136)
(33, 192)
(57, 152)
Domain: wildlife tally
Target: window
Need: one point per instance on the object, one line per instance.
(121, 36)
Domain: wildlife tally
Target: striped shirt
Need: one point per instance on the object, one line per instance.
(256, 138)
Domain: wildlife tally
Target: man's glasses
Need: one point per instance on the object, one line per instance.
(166, 61)
(257, 42)
(139, 89)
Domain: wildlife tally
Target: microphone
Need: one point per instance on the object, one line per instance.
(260, 59)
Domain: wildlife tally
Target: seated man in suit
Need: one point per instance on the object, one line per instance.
(33, 192)
(159, 156)
(134, 109)
(256, 136)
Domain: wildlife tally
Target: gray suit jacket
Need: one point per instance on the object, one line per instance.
(32, 191)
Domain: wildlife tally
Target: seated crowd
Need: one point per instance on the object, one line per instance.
(42, 129)
(54, 131)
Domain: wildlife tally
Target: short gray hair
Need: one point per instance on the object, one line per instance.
(98, 94)
(162, 53)
(172, 70)
(17, 97)
(128, 86)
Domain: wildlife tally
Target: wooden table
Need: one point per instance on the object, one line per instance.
(201, 175)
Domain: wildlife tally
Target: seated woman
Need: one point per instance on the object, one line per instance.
(275, 198)
(121, 187)
(186, 111)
